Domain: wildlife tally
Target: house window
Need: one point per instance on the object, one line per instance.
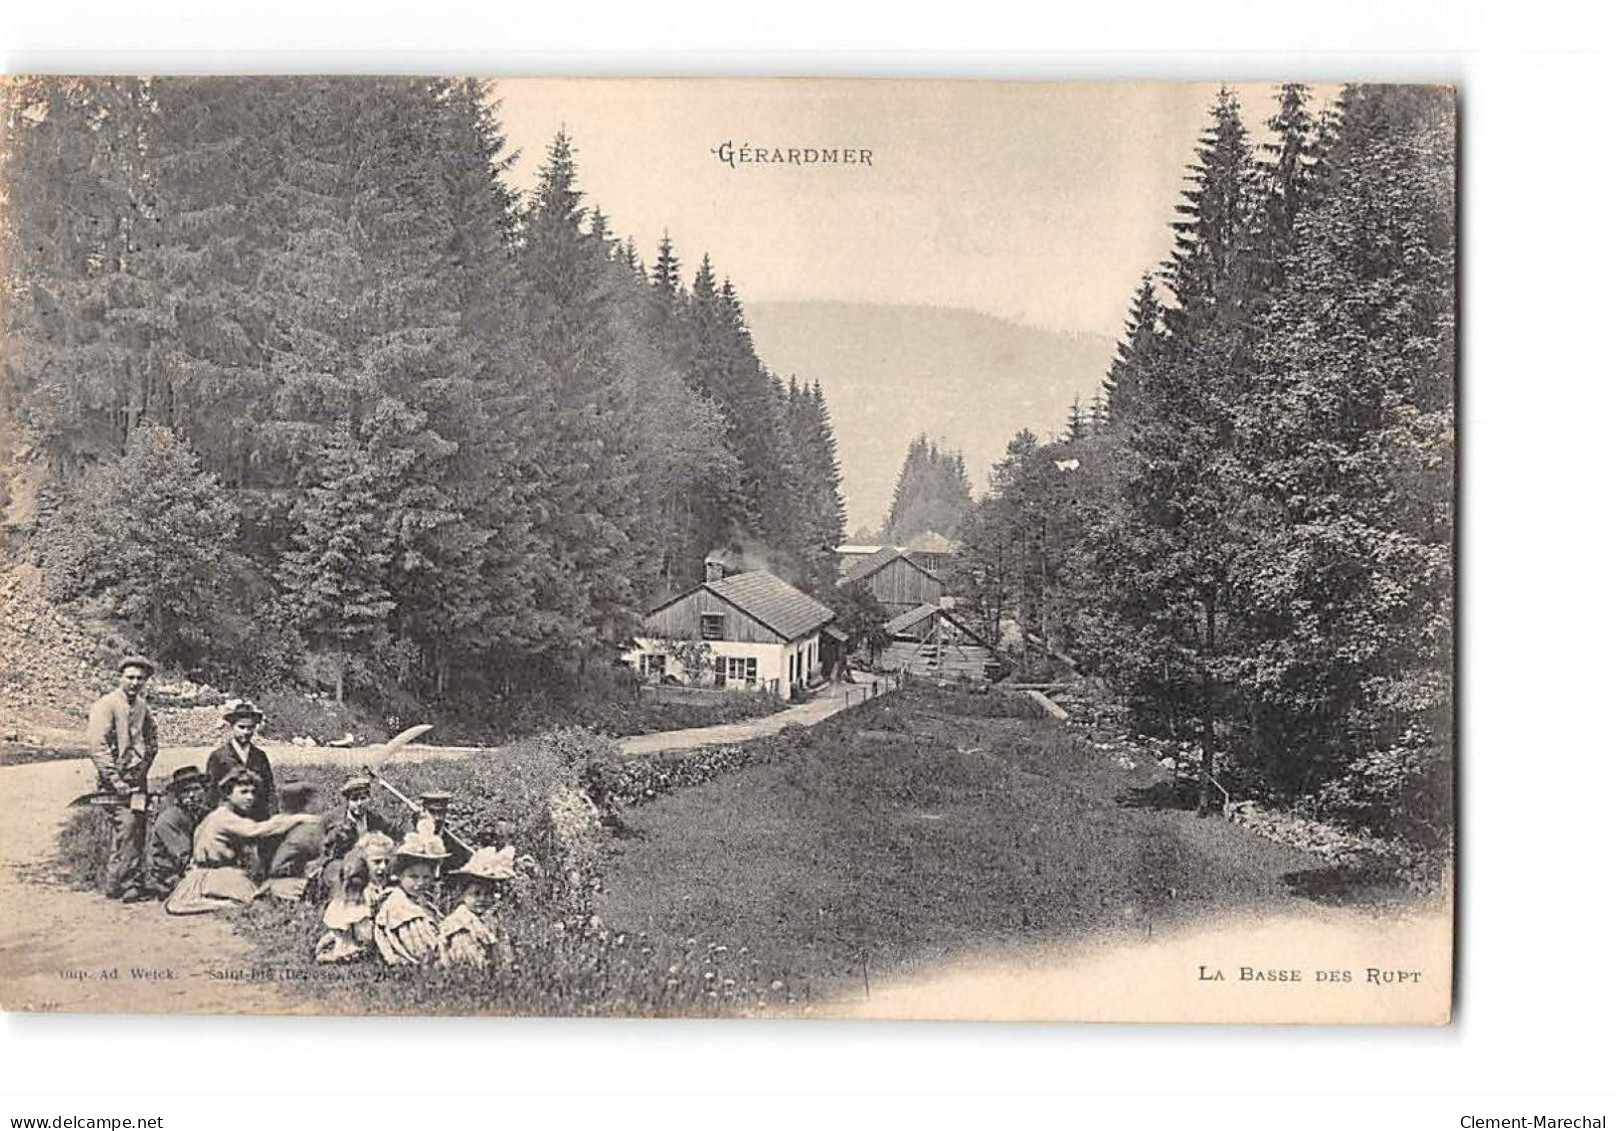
(653, 665)
(712, 626)
(737, 669)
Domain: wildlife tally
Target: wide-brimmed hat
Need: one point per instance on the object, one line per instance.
(355, 785)
(421, 846)
(436, 797)
(187, 777)
(241, 709)
(489, 863)
(136, 660)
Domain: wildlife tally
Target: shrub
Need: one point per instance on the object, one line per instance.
(1402, 792)
(83, 846)
(147, 536)
(290, 714)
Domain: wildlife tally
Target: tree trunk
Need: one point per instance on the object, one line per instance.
(342, 668)
(1204, 805)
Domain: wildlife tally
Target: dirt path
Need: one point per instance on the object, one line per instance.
(831, 699)
(76, 951)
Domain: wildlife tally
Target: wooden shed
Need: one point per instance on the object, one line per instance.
(896, 581)
(931, 641)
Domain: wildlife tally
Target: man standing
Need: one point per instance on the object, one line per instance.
(168, 844)
(240, 752)
(123, 744)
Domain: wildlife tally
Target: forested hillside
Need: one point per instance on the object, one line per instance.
(297, 386)
(1251, 538)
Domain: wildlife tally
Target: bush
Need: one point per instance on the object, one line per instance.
(147, 536)
(83, 846)
(290, 714)
(1403, 792)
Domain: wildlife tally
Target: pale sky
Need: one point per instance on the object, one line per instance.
(1041, 203)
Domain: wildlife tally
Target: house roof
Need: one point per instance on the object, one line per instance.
(908, 619)
(765, 598)
(876, 562)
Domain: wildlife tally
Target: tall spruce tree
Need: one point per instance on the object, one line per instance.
(581, 383)
(1141, 341)
(1347, 443)
(1172, 546)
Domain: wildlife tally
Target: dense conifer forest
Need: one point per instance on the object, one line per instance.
(1249, 536)
(301, 388)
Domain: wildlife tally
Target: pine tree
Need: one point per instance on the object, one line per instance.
(148, 535)
(1290, 173)
(338, 565)
(824, 514)
(932, 493)
(1170, 552)
(595, 491)
(79, 363)
(1141, 341)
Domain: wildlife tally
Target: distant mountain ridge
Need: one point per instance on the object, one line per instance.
(889, 372)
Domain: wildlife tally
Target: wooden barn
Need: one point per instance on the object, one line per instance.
(930, 641)
(895, 580)
(748, 631)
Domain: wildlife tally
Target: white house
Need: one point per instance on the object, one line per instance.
(749, 631)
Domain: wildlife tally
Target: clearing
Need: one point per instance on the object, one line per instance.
(999, 861)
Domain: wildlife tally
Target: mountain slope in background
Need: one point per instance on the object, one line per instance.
(969, 380)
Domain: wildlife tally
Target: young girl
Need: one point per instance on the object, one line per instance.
(406, 921)
(349, 918)
(470, 934)
(225, 847)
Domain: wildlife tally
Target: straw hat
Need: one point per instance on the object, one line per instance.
(488, 863)
(242, 709)
(354, 786)
(421, 846)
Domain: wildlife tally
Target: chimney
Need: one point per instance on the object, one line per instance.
(715, 567)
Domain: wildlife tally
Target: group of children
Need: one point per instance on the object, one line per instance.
(383, 904)
(226, 836)
(382, 893)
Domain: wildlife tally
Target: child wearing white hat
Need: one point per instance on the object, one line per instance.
(470, 933)
(406, 921)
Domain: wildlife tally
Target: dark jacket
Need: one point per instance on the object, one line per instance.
(339, 824)
(168, 847)
(297, 850)
(224, 759)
